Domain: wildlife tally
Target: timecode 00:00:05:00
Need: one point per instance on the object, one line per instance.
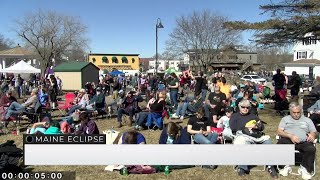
(32, 175)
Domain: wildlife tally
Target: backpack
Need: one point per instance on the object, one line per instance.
(9, 157)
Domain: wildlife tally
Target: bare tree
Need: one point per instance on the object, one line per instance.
(203, 33)
(5, 43)
(51, 35)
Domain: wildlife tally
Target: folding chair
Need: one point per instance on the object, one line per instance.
(63, 106)
(298, 159)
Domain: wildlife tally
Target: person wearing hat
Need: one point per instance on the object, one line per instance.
(16, 108)
(97, 101)
(129, 106)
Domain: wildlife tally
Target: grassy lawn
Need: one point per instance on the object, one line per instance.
(222, 172)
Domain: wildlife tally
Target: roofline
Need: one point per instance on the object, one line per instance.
(97, 54)
(80, 69)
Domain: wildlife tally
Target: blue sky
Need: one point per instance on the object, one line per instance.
(128, 26)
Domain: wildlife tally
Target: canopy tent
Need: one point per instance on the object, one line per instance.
(20, 68)
(173, 70)
(116, 73)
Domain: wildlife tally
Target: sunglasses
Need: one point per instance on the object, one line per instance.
(245, 107)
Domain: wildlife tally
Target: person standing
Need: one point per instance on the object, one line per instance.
(295, 84)
(173, 86)
(278, 82)
(53, 90)
(59, 85)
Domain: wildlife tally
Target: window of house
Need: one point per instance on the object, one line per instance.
(133, 60)
(302, 55)
(124, 59)
(94, 60)
(114, 59)
(105, 59)
(309, 40)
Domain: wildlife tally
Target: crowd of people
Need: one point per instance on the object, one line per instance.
(218, 107)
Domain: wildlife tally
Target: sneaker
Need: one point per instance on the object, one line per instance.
(181, 118)
(241, 172)
(174, 116)
(285, 171)
(304, 173)
(139, 128)
(272, 171)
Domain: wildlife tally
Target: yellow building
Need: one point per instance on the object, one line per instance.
(115, 61)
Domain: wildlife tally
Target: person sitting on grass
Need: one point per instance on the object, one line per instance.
(299, 130)
(241, 128)
(200, 127)
(80, 101)
(47, 126)
(174, 134)
(97, 101)
(6, 99)
(153, 106)
(224, 123)
(187, 106)
(88, 126)
(16, 108)
(129, 106)
(132, 137)
(249, 96)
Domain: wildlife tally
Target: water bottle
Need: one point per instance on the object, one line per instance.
(18, 130)
(166, 170)
(124, 171)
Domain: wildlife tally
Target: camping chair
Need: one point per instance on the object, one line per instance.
(63, 106)
(266, 92)
(298, 159)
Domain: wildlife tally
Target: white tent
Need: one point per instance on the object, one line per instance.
(20, 68)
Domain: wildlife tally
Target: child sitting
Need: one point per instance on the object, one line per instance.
(224, 123)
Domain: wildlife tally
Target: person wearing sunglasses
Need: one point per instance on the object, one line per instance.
(238, 123)
(254, 104)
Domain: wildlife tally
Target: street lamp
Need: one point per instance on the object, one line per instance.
(158, 25)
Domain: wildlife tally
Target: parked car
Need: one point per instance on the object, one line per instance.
(254, 78)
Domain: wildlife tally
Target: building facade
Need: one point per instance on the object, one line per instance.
(306, 57)
(227, 58)
(144, 64)
(165, 64)
(115, 61)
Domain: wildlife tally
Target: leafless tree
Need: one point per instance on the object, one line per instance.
(51, 35)
(5, 43)
(203, 33)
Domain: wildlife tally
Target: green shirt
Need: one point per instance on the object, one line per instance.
(173, 82)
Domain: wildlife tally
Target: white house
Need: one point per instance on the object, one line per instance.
(306, 57)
